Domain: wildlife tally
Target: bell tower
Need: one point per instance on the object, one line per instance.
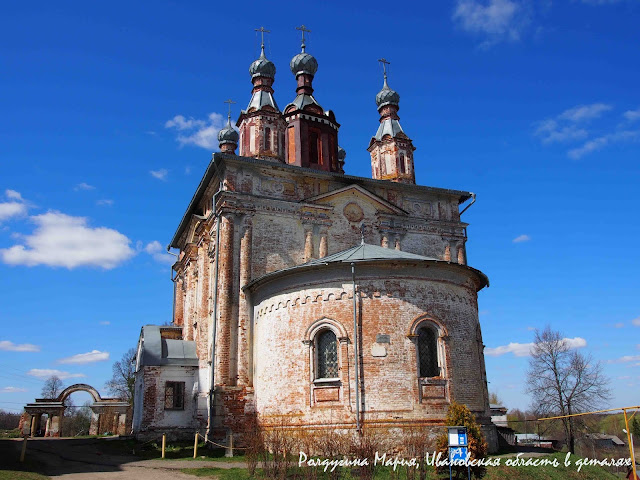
(312, 133)
(261, 124)
(391, 149)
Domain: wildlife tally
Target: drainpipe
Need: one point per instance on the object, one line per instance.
(173, 310)
(214, 316)
(473, 200)
(355, 346)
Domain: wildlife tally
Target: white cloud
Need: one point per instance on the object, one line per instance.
(105, 202)
(14, 207)
(618, 325)
(564, 127)
(50, 372)
(524, 349)
(521, 238)
(23, 347)
(158, 253)
(89, 357)
(583, 113)
(626, 359)
(160, 174)
(636, 322)
(105, 322)
(601, 142)
(13, 195)
(83, 186)
(61, 240)
(632, 115)
(201, 133)
(496, 20)
(12, 390)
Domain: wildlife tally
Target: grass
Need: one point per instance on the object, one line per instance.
(173, 451)
(17, 475)
(493, 473)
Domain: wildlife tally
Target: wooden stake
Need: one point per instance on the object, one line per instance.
(164, 443)
(24, 450)
(195, 446)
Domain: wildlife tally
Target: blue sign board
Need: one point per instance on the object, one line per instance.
(458, 437)
(458, 453)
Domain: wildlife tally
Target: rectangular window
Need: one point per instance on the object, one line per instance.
(174, 396)
(313, 147)
(292, 145)
(267, 139)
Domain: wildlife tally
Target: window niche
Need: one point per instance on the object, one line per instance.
(429, 339)
(174, 396)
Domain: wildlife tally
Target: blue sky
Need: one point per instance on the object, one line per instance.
(109, 117)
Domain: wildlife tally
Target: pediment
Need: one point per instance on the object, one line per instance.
(356, 193)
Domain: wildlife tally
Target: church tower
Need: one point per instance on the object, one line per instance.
(261, 124)
(312, 133)
(391, 149)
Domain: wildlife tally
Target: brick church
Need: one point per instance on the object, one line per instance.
(309, 298)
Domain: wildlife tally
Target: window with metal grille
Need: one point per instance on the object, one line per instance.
(327, 355)
(174, 396)
(428, 352)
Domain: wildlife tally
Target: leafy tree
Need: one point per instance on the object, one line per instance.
(122, 382)
(494, 399)
(459, 415)
(635, 427)
(563, 381)
(52, 387)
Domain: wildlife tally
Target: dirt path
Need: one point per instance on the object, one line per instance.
(86, 460)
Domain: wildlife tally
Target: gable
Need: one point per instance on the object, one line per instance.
(355, 193)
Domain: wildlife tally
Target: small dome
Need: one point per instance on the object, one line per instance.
(341, 153)
(386, 96)
(228, 134)
(304, 63)
(262, 67)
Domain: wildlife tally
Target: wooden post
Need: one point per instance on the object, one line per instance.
(195, 446)
(24, 449)
(164, 443)
(229, 452)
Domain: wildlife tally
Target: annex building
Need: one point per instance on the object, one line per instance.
(308, 298)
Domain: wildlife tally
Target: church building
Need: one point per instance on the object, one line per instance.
(307, 298)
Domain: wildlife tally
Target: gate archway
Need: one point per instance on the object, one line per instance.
(107, 414)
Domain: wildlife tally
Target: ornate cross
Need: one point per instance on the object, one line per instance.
(384, 63)
(262, 31)
(229, 101)
(303, 29)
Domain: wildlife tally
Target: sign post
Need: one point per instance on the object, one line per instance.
(458, 447)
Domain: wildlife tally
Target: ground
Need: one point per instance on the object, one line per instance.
(102, 458)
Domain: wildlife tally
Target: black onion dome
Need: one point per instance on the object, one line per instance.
(303, 63)
(262, 67)
(386, 96)
(228, 134)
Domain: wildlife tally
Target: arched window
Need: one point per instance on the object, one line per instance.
(428, 352)
(326, 355)
(267, 138)
(402, 164)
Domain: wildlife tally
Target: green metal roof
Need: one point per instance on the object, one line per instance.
(365, 252)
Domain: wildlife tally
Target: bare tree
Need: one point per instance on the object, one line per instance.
(52, 387)
(122, 382)
(563, 381)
